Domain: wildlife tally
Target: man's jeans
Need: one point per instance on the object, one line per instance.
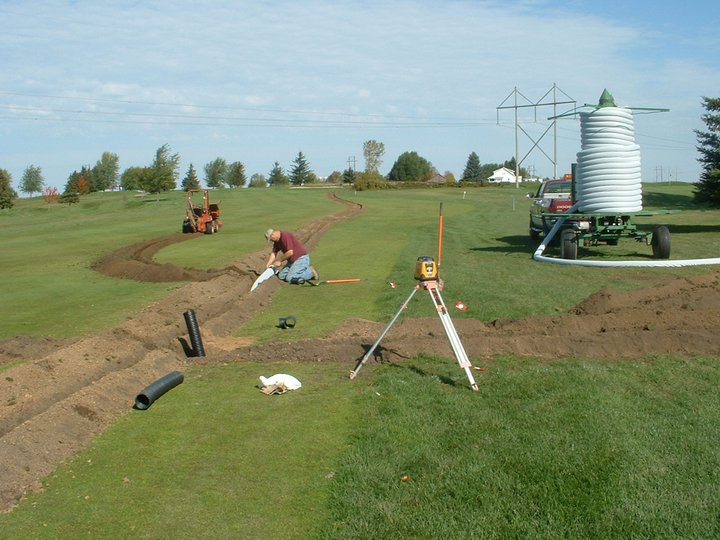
(299, 269)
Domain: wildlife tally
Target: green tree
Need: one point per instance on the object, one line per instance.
(69, 197)
(349, 176)
(411, 167)
(191, 180)
(472, 172)
(335, 177)
(487, 170)
(32, 180)
(373, 152)
(130, 180)
(277, 176)
(105, 172)
(510, 164)
(215, 173)
(235, 177)
(370, 180)
(450, 178)
(162, 175)
(707, 189)
(80, 182)
(300, 171)
(258, 180)
(7, 193)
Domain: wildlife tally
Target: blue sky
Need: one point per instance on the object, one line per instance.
(259, 81)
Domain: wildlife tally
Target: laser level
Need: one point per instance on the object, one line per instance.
(426, 273)
(426, 269)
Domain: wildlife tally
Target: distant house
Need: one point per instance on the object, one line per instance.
(503, 176)
(437, 179)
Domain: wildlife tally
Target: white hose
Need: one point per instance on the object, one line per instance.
(608, 180)
(538, 255)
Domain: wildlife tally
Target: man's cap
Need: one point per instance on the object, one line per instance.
(268, 233)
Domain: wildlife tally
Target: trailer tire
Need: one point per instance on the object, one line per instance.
(661, 242)
(568, 245)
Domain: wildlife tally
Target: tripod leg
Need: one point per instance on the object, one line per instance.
(365, 358)
(452, 335)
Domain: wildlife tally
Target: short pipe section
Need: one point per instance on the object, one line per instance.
(157, 389)
(194, 332)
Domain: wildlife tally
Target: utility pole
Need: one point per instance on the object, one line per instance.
(351, 163)
(539, 103)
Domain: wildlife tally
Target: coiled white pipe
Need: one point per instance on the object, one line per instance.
(608, 174)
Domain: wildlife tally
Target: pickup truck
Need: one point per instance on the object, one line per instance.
(553, 196)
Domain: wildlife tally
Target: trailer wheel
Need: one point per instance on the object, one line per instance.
(568, 245)
(661, 242)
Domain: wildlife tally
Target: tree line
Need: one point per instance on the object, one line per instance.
(162, 174)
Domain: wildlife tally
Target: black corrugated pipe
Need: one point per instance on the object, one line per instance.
(148, 396)
(194, 331)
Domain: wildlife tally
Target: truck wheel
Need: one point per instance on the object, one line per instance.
(209, 227)
(534, 235)
(568, 246)
(661, 242)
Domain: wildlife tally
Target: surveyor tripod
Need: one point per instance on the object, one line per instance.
(431, 286)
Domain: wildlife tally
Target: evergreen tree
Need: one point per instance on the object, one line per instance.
(69, 197)
(80, 182)
(349, 176)
(277, 176)
(472, 172)
(191, 180)
(707, 189)
(32, 180)
(7, 193)
(236, 175)
(215, 173)
(300, 172)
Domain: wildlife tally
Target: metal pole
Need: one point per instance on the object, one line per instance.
(365, 358)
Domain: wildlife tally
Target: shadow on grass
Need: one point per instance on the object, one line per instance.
(512, 244)
(669, 200)
(523, 244)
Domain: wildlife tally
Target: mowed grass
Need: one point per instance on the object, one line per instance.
(569, 448)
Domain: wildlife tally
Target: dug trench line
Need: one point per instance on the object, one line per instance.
(53, 404)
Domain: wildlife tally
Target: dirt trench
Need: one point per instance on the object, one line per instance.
(67, 392)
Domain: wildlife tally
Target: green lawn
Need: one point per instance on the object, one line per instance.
(571, 448)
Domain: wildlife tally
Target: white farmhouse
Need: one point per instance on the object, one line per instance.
(503, 176)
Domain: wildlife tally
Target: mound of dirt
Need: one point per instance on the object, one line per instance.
(65, 393)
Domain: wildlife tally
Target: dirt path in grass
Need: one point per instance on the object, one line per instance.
(66, 392)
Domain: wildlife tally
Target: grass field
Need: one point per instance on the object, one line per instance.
(569, 448)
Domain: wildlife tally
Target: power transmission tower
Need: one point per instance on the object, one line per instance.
(351, 163)
(542, 102)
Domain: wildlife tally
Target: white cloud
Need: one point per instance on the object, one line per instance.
(245, 75)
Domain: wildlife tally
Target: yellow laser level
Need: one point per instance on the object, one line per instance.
(426, 269)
